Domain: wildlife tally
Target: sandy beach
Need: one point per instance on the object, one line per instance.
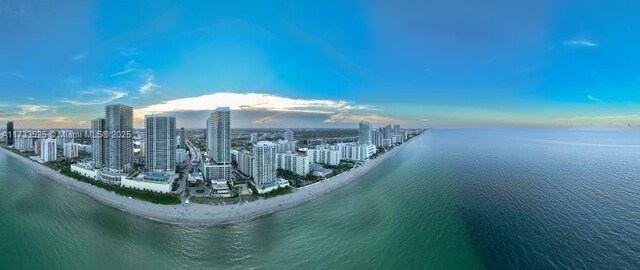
(209, 215)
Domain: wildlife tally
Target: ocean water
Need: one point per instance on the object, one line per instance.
(454, 199)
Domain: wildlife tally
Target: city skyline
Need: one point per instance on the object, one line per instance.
(532, 63)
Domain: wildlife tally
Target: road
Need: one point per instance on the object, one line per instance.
(187, 169)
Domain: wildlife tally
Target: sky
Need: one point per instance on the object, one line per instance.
(322, 63)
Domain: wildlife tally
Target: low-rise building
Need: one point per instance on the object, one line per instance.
(195, 177)
(86, 169)
(87, 148)
(220, 189)
(278, 183)
(319, 171)
(215, 171)
(156, 182)
(111, 177)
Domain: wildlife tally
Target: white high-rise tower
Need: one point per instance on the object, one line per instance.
(265, 163)
(219, 144)
(160, 143)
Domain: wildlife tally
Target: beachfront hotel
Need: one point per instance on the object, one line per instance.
(218, 164)
(160, 143)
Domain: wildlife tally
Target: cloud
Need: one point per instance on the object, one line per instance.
(128, 68)
(66, 121)
(16, 74)
(79, 57)
(19, 76)
(148, 86)
(592, 98)
(27, 109)
(601, 117)
(253, 102)
(266, 121)
(128, 52)
(97, 96)
(580, 43)
(119, 73)
(344, 117)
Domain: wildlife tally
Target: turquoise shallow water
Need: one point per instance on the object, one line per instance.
(456, 199)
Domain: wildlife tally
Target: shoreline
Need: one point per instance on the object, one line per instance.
(209, 215)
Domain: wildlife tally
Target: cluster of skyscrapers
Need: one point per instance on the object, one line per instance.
(384, 136)
(112, 149)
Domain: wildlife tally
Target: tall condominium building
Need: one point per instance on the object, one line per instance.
(119, 144)
(286, 146)
(324, 156)
(245, 162)
(64, 136)
(254, 137)
(37, 147)
(23, 143)
(364, 133)
(287, 135)
(397, 134)
(48, 150)
(218, 135)
(70, 150)
(377, 138)
(181, 156)
(218, 145)
(10, 133)
(98, 142)
(396, 129)
(354, 151)
(265, 163)
(183, 139)
(387, 136)
(160, 143)
(295, 163)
